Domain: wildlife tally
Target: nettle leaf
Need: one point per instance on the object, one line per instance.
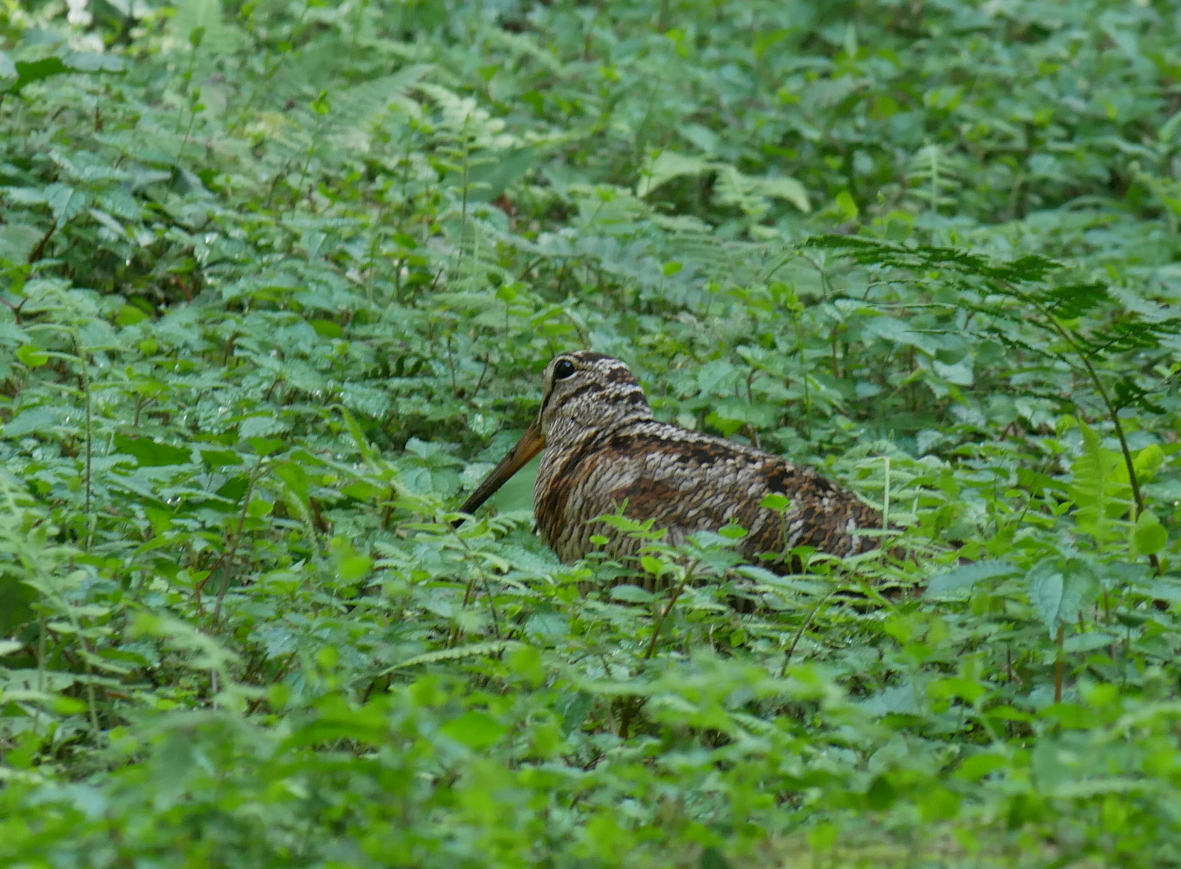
(1149, 536)
(957, 584)
(16, 601)
(668, 165)
(28, 72)
(65, 202)
(150, 454)
(31, 356)
(34, 419)
(476, 730)
(1058, 590)
(17, 241)
(1147, 462)
(899, 332)
(631, 594)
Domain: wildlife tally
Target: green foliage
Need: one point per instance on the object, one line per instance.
(277, 282)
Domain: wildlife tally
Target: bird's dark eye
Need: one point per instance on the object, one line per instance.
(563, 369)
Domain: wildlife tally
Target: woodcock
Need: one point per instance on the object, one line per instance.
(604, 450)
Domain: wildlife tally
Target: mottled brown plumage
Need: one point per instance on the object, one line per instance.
(604, 450)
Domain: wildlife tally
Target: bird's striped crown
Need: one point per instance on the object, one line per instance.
(586, 392)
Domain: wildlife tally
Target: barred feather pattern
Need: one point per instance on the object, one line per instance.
(604, 451)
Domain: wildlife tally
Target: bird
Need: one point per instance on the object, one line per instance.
(604, 452)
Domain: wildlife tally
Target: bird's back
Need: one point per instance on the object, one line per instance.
(689, 482)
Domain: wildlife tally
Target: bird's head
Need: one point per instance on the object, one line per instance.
(583, 391)
(583, 394)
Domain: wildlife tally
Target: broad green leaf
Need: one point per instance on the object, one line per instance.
(31, 356)
(653, 565)
(32, 420)
(1150, 536)
(787, 189)
(476, 730)
(28, 72)
(1147, 462)
(957, 584)
(631, 594)
(16, 599)
(64, 201)
(775, 501)
(1058, 592)
(669, 165)
(846, 206)
(17, 241)
(327, 329)
(93, 61)
(150, 454)
(354, 567)
(265, 446)
(129, 315)
(899, 332)
(220, 458)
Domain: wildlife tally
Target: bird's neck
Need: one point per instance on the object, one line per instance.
(578, 431)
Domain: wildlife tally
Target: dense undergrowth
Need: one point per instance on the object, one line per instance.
(278, 281)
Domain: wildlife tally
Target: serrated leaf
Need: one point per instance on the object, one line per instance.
(28, 72)
(477, 730)
(1150, 536)
(775, 501)
(958, 583)
(716, 375)
(1057, 593)
(787, 189)
(1147, 462)
(64, 201)
(34, 357)
(631, 594)
(653, 565)
(217, 36)
(150, 454)
(1046, 594)
(669, 165)
(898, 332)
(31, 420)
(473, 650)
(93, 61)
(17, 241)
(846, 205)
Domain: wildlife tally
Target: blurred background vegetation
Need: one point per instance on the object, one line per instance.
(278, 281)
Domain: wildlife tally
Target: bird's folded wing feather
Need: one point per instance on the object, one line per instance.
(692, 482)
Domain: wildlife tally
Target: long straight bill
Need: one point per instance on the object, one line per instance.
(531, 443)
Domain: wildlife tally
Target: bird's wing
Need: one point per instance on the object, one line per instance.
(689, 482)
